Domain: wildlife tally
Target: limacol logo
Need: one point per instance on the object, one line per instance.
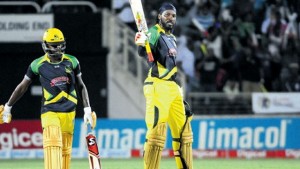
(258, 137)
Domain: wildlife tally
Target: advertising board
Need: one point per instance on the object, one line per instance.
(123, 138)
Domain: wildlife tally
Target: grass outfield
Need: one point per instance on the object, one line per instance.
(167, 163)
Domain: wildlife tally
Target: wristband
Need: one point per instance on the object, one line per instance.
(7, 107)
(87, 110)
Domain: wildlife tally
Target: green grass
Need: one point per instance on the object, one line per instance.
(166, 163)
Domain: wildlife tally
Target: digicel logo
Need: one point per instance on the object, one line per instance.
(20, 140)
(21, 134)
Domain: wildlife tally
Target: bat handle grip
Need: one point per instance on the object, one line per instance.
(148, 51)
(89, 128)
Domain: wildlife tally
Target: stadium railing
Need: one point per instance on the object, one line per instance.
(10, 7)
(125, 68)
(49, 6)
(216, 103)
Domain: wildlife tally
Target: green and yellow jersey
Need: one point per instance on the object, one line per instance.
(162, 45)
(58, 82)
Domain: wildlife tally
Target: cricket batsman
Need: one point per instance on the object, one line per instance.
(58, 74)
(164, 96)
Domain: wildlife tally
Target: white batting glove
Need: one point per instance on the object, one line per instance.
(140, 38)
(89, 117)
(5, 115)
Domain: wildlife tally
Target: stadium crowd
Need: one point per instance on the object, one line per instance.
(229, 45)
(236, 46)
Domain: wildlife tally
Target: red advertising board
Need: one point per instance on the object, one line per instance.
(21, 134)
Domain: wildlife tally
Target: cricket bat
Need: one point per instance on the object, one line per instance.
(93, 151)
(141, 23)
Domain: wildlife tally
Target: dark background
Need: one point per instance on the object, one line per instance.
(83, 37)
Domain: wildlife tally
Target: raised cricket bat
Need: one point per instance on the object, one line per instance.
(141, 23)
(93, 151)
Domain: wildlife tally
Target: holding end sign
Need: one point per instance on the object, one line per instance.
(24, 28)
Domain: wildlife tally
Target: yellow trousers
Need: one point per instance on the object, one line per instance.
(58, 129)
(164, 104)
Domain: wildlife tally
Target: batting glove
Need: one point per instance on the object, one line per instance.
(140, 38)
(90, 117)
(5, 115)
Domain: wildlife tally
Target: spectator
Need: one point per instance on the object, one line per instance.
(228, 34)
(251, 70)
(246, 31)
(207, 71)
(204, 17)
(241, 8)
(214, 41)
(186, 61)
(292, 81)
(183, 18)
(226, 3)
(274, 28)
(123, 10)
(271, 68)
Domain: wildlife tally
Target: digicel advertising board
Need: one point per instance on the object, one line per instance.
(21, 134)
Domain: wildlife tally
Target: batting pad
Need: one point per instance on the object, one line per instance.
(154, 146)
(52, 141)
(67, 139)
(1, 114)
(184, 157)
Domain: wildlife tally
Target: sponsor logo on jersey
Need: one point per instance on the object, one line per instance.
(59, 81)
(68, 69)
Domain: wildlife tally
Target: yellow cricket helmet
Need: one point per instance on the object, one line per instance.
(53, 35)
(54, 42)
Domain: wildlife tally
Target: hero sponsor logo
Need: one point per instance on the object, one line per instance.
(20, 140)
(258, 137)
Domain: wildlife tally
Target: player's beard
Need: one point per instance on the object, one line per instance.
(168, 25)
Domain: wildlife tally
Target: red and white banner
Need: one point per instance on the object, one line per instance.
(249, 154)
(21, 134)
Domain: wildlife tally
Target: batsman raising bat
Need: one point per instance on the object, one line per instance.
(58, 73)
(164, 96)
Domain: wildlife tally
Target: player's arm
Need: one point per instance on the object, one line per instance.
(142, 51)
(19, 91)
(140, 41)
(5, 111)
(83, 91)
(5, 114)
(89, 115)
